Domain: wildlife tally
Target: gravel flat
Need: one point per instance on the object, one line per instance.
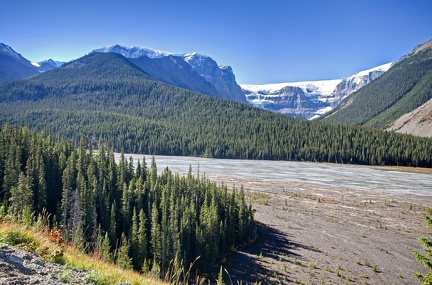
(324, 223)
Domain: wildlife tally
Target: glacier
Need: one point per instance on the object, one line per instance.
(309, 99)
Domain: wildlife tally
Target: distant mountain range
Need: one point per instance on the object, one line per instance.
(200, 73)
(110, 100)
(192, 71)
(309, 99)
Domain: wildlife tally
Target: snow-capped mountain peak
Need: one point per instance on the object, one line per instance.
(46, 65)
(136, 52)
(382, 68)
(133, 52)
(221, 77)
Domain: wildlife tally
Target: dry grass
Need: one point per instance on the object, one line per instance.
(47, 245)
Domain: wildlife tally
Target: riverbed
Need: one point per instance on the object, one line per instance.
(336, 175)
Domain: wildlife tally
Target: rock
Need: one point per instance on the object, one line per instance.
(20, 267)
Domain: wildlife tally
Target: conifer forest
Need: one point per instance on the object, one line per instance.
(126, 212)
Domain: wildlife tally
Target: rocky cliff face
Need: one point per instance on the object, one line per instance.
(296, 99)
(221, 77)
(289, 100)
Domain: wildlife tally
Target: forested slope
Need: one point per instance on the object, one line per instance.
(104, 96)
(404, 87)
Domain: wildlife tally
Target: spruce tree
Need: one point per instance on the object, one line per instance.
(123, 259)
(426, 259)
(105, 248)
(22, 196)
(156, 239)
(113, 226)
(142, 238)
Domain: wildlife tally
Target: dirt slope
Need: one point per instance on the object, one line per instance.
(417, 122)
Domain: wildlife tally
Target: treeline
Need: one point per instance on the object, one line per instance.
(220, 130)
(127, 214)
(132, 112)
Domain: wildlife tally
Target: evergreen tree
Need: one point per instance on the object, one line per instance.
(12, 171)
(123, 259)
(426, 260)
(22, 196)
(134, 243)
(142, 239)
(76, 223)
(113, 226)
(105, 248)
(156, 239)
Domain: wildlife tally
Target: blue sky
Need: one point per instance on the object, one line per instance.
(263, 41)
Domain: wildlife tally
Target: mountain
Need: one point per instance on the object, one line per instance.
(174, 70)
(13, 65)
(309, 99)
(110, 100)
(406, 86)
(353, 83)
(47, 64)
(222, 77)
(219, 81)
(296, 99)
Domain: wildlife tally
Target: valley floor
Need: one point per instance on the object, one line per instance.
(320, 234)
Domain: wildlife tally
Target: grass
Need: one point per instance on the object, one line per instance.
(100, 272)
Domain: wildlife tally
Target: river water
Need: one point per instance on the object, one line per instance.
(338, 175)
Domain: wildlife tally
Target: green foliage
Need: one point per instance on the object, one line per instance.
(426, 259)
(102, 207)
(16, 238)
(404, 87)
(123, 259)
(127, 110)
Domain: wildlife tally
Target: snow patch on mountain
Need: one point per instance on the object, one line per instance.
(47, 64)
(133, 52)
(136, 52)
(317, 97)
(322, 87)
(359, 75)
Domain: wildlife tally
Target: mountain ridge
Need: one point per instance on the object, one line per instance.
(222, 78)
(321, 96)
(14, 66)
